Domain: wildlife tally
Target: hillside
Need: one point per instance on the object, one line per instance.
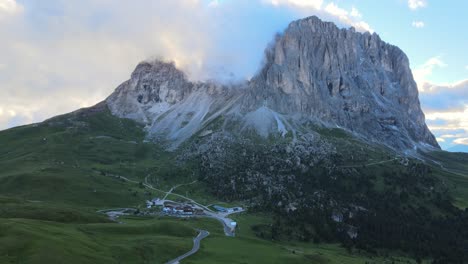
(57, 174)
(326, 148)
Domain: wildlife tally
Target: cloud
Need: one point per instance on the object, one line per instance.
(446, 109)
(445, 98)
(331, 11)
(315, 4)
(415, 4)
(418, 24)
(422, 72)
(461, 141)
(348, 17)
(355, 12)
(9, 8)
(59, 55)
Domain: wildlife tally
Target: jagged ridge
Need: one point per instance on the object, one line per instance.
(314, 73)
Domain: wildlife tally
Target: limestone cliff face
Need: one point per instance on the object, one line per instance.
(314, 72)
(342, 77)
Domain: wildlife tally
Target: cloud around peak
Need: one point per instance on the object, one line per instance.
(79, 51)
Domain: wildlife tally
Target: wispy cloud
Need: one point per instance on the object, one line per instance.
(448, 98)
(418, 24)
(446, 109)
(423, 72)
(330, 11)
(415, 4)
(316, 4)
(355, 12)
(461, 141)
(348, 17)
(9, 7)
(79, 51)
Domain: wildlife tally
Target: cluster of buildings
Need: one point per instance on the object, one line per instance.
(178, 209)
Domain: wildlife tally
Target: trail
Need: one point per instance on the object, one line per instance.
(146, 184)
(175, 187)
(369, 164)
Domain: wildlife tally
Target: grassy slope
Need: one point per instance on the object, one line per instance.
(67, 160)
(453, 169)
(33, 241)
(247, 248)
(56, 175)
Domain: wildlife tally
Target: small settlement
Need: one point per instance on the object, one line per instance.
(187, 209)
(181, 209)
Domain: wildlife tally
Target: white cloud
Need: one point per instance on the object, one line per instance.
(422, 72)
(446, 109)
(440, 139)
(418, 24)
(214, 3)
(333, 9)
(461, 141)
(347, 17)
(451, 136)
(315, 4)
(415, 4)
(53, 64)
(9, 7)
(329, 12)
(355, 12)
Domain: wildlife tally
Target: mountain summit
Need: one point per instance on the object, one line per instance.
(315, 74)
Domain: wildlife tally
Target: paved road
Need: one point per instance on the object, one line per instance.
(225, 221)
(196, 247)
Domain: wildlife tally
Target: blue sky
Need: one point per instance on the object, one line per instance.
(59, 55)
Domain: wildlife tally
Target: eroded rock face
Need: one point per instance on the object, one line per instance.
(313, 72)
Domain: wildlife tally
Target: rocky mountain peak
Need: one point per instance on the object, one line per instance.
(313, 72)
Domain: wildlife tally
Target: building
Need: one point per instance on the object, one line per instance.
(178, 210)
(168, 209)
(187, 210)
(220, 208)
(233, 226)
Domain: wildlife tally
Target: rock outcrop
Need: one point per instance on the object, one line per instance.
(313, 73)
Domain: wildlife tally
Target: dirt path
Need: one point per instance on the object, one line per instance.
(369, 164)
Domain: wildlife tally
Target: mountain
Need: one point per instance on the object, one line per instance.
(326, 147)
(314, 73)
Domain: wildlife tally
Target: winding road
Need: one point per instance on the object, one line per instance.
(221, 217)
(196, 247)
